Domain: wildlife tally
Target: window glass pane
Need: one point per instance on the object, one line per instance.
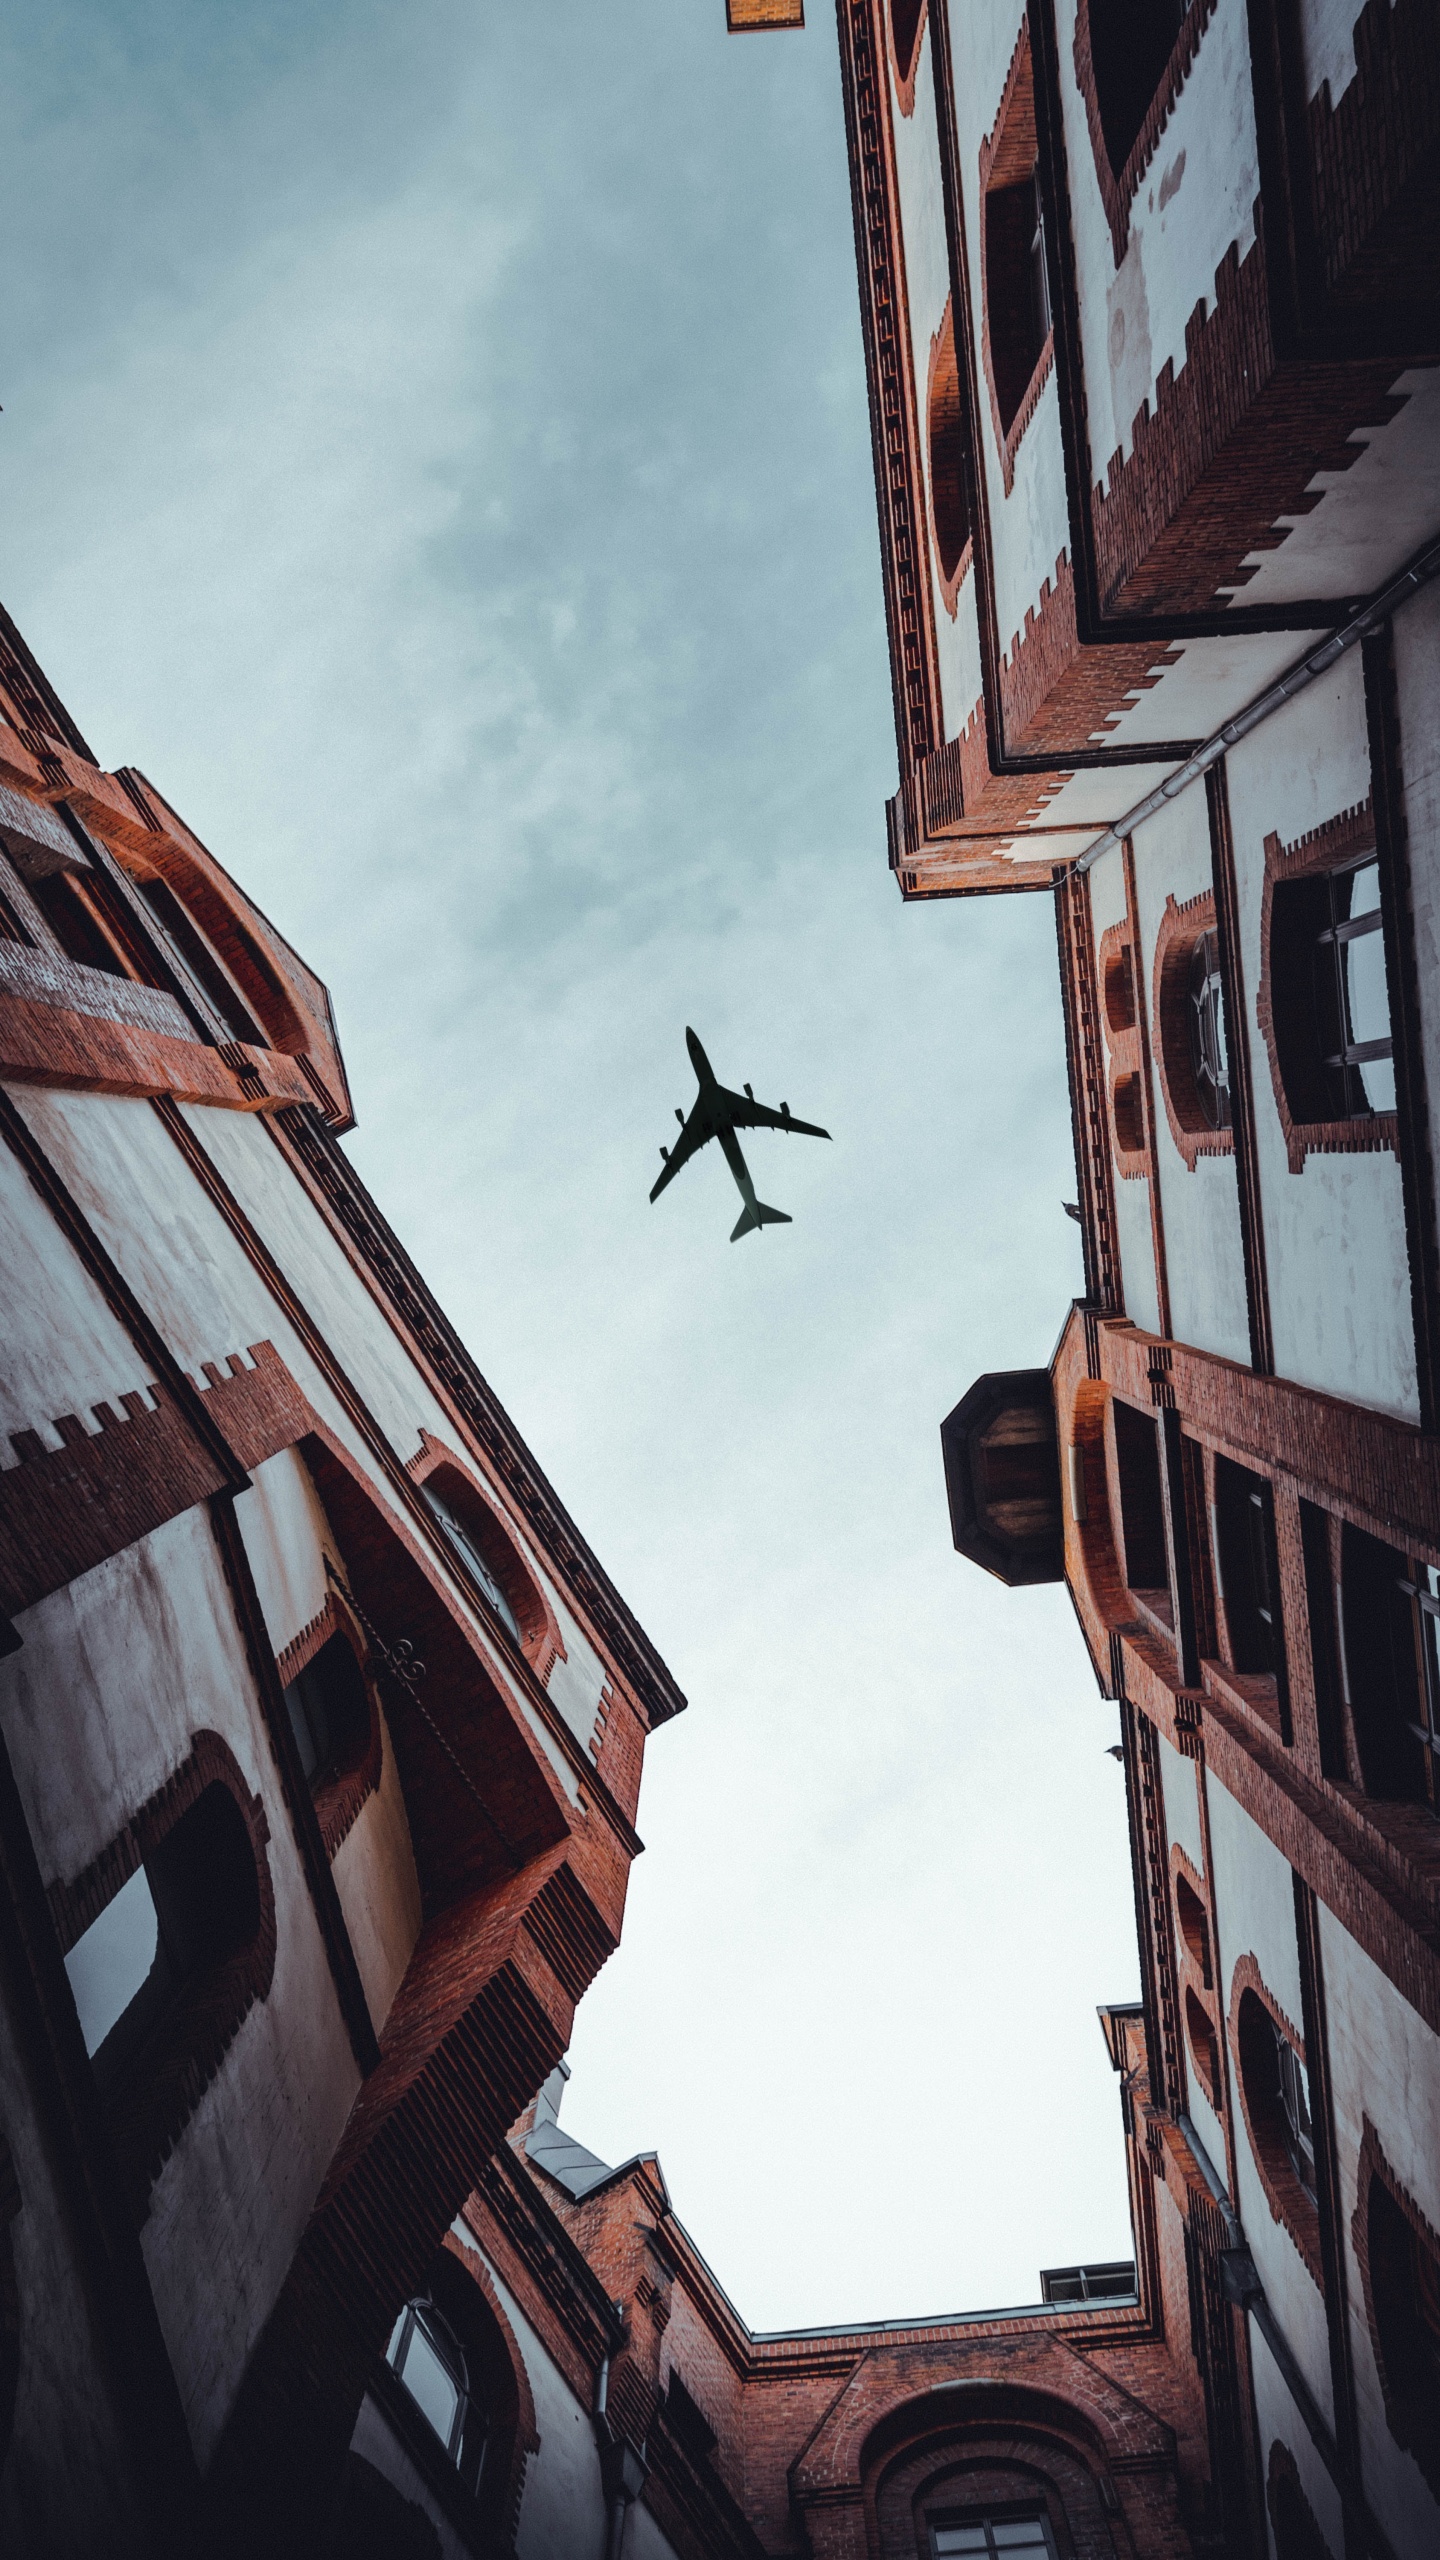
(959, 2537)
(1365, 890)
(430, 2386)
(477, 1564)
(109, 1964)
(1019, 2533)
(1378, 1077)
(1365, 987)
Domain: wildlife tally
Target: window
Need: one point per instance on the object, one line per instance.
(193, 1903)
(994, 2537)
(1250, 1571)
(203, 962)
(1129, 1115)
(905, 18)
(1404, 2298)
(1194, 1926)
(1130, 45)
(1018, 306)
(1204, 2047)
(329, 1708)
(1111, 2280)
(1209, 1060)
(949, 505)
(1324, 1000)
(1120, 989)
(427, 2355)
(1276, 2094)
(1316, 1545)
(90, 929)
(1389, 1611)
(1142, 1511)
(467, 1540)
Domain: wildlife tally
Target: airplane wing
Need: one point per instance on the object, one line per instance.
(758, 1115)
(689, 1143)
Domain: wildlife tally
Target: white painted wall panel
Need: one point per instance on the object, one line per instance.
(1334, 1233)
(64, 1349)
(1385, 2064)
(1279, 2421)
(1182, 1803)
(379, 1889)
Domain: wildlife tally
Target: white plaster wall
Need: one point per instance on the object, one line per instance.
(115, 1674)
(1182, 1803)
(1278, 2420)
(64, 1349)
(562, 2511)
(287, 1538)
(1417, 679)
(1253, 1905)
(1327, 45)
(379, 1889)
(1385, 2064)
(1132, 321)
(1204, 1260)
(1334, 1233)
(1107, 892)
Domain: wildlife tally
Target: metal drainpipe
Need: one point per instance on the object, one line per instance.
(1420, 571)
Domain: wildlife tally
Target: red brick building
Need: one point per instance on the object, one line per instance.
(322, 1727)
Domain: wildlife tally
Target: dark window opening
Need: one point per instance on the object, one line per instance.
(428, 2357)
(1209, 1058)
(75, 924)
(1204, 2046)
(1142, 1511)
(1194, 1926)
(1324, 1652)
(12, 925)
(1389, 1644)
(993, 2537)
(467, 1539)
(1120, 990)
(203, 963)
(1405, 2293)
(1130, 44)
(1250, 1570)
(1017, 291)
(194, 1902)
(905, 33)
(1129, 1116)
(948, 499)
(1277, 2093)
(1297, 2536)
(329, 1708)
(688, 2419)
(1109, 2280)
(1330, 1001)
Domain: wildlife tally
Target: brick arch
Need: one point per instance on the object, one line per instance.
(1100, 1565)
(1180, 928)
(524, 2434)
(338, 1804)
(989, 2467)
(1288, 2202)
(219, 917)
(540, 1637)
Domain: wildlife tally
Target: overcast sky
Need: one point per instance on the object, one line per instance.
(435, 449)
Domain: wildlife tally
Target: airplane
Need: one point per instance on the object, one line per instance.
(717, 1113)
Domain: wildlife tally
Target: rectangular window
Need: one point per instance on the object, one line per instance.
(1324, 1649)
(1107, 2280)
(1250, 1576)
(1142, 1506)
(993, 2537)
(1351, 998)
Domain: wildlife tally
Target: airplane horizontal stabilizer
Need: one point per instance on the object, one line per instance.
(760, 1216)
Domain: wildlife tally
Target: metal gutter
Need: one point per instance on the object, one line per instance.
(1424, 566)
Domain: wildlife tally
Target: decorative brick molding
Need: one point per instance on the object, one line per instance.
(160, 2091)
(1225, 448)
(1198, 1961)
(540, 1637)
(1180, 929)
(1119, 187)
(338, 1802)
(1284, 993)
(905, 23)
(1289, 2204)
(895, 423)
(1058, 697)
(1386, 2212)
(1007, 156)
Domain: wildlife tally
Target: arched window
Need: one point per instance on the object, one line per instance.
(1404, 2294)
(170, 1939)
(906, 19)
(1331, 1005)
(427, 2355)
(949, 504)
(1130, 46)
(1390, 1611)
(1204, 2047)
(330, 1713)
(466, 1533)
(203, 962)
(1297, 2535)
(1249, 1568)
(1191, 1028)
(1194, 1926)
(1275, 2093)
(1205, 1022)
(1016, 290)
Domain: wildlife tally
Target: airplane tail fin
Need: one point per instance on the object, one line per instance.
(759, 1216)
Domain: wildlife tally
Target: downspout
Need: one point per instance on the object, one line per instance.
(622, 2469)
(1421, 570)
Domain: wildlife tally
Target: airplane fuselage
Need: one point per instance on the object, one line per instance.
(720, 1121)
